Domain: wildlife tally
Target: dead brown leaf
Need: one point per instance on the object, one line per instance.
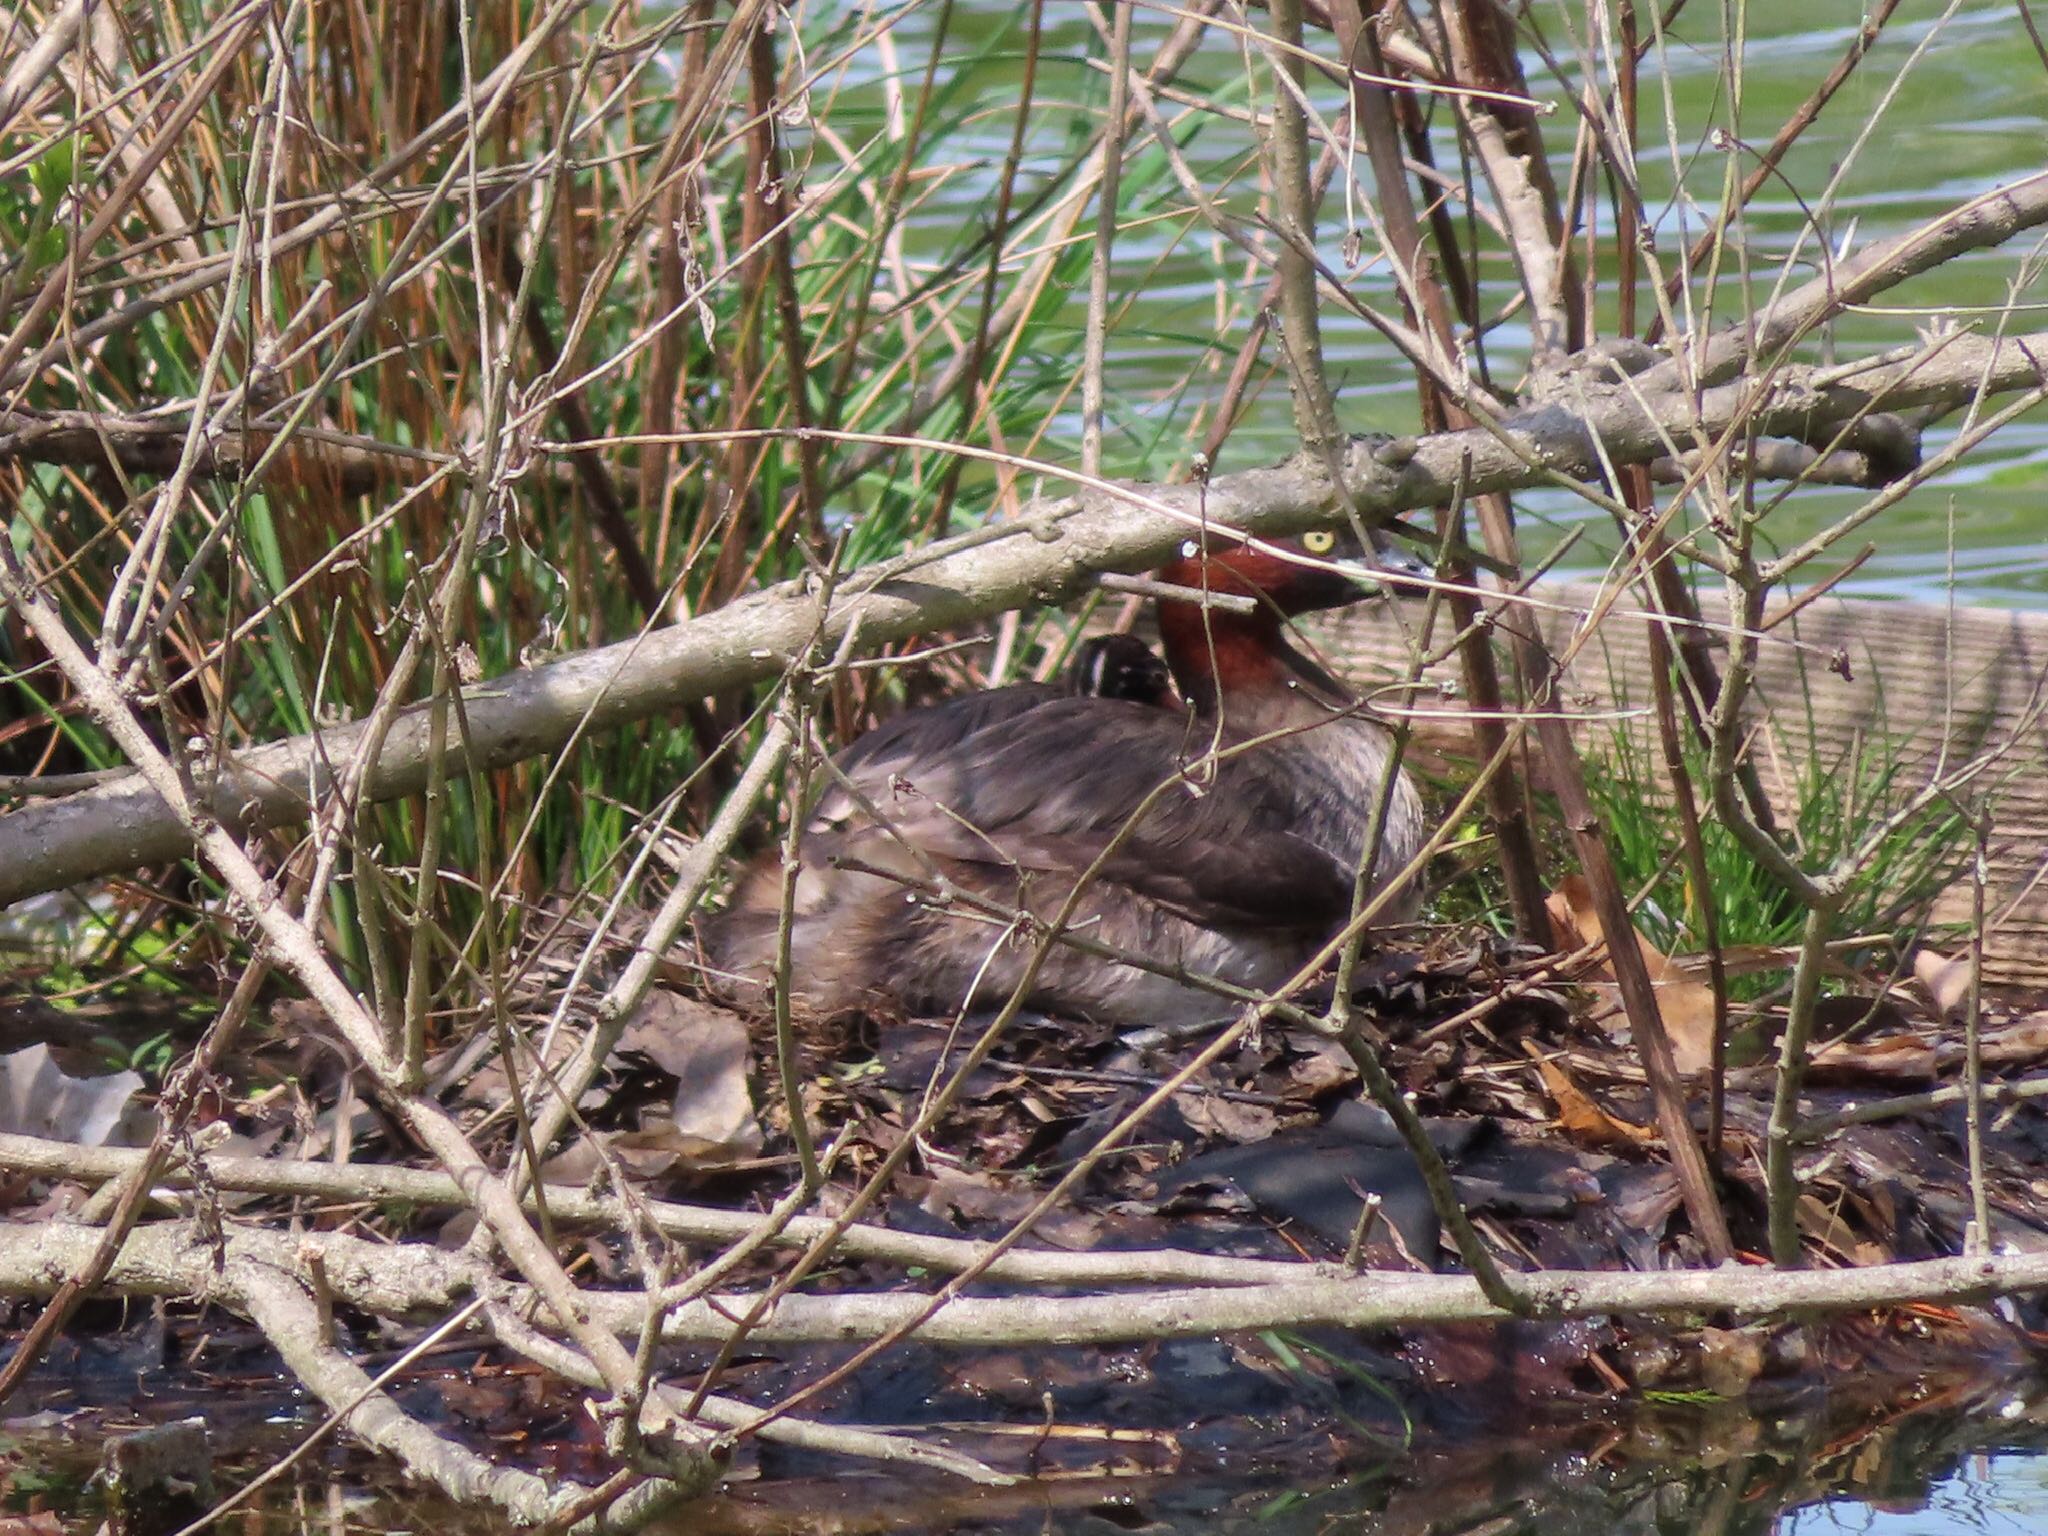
(968, 1195)
(1224, 1119)
(490, 1085)
(39, 1098)
(1901, 1058)
(2019, 1044)
(1731, 1359)
(669, 1030)
(1821, 1221)
(1580, 1118)
(1947, 981)
(711, 1122)
(1321, 1068)
(705, 1050)
(1686, 1005)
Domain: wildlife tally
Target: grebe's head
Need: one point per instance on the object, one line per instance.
(1311, 571)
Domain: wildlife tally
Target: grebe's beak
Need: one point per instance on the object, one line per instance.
(1390, 558)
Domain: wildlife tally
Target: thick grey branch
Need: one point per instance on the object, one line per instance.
(155, 445)
(412, 1278)
(1048, 554)
(1982, 222)
(574, 1206)
(279, 1305)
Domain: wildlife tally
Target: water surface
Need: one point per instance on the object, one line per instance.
(1960, 100)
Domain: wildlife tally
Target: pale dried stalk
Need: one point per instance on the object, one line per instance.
(299, 953)
(701, 866)
(288, 1317)
(332, 215)
(1096, 339)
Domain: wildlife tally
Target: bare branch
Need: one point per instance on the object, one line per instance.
(1047, 554)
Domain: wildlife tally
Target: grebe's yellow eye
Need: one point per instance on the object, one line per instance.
(1319, 542)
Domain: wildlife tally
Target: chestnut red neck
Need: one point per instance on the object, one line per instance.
(1214, 654)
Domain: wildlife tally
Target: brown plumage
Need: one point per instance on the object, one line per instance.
(1104, 667)
(1240, 866)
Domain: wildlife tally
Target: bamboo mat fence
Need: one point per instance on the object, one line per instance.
(1839, 681)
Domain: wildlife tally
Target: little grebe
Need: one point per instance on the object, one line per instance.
(1241, 867)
